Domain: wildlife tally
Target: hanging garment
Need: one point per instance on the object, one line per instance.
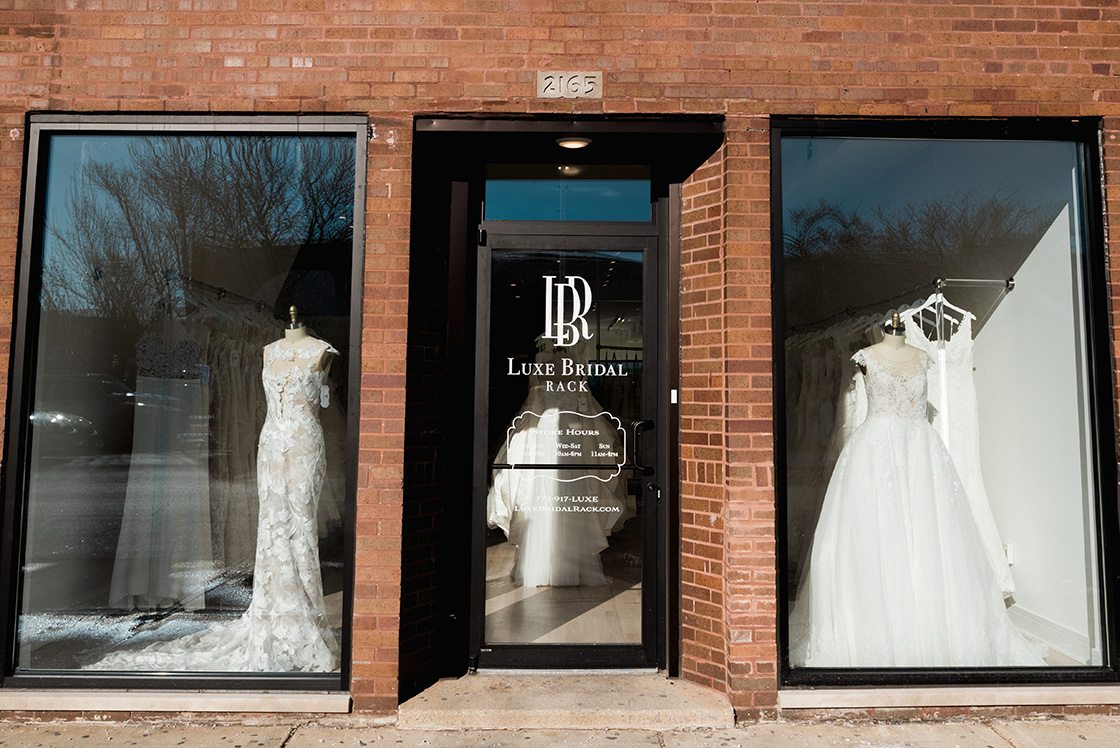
(897, 575)
(956, 419)
(816, 405)
(235, 361)
(285, 628)
(558, 519)
(163, 554)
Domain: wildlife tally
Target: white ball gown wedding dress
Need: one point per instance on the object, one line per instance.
(285, 628)
(898, 576)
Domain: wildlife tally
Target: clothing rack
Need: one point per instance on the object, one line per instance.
(1006, 284)
(223, 293)
(939, 284)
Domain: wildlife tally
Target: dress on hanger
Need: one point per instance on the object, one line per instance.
(961, 432)
(897, 575)
(558, 519)
(237, 417)
(285, 628)
(164, 556)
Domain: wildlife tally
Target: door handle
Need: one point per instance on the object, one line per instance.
(636, 429)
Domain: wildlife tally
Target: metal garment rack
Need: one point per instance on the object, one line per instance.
(223, 293)
(938, 284)
(1006, 284)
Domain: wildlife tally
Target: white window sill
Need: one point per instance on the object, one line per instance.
(45, 700)
(871, 698)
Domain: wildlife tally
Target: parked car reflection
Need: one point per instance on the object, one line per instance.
(82, 415)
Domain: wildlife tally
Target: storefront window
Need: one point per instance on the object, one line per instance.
(185, 467)
(939, 483)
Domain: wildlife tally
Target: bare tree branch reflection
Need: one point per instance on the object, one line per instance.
(837, 258)
(131, 231)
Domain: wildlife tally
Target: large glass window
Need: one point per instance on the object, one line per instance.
(939, 484)
(184, 466)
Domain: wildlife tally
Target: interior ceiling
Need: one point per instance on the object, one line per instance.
(672, 148)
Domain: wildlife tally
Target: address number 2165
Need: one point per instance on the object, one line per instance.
(557, 85)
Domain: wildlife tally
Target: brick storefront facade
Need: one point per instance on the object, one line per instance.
(395, 59)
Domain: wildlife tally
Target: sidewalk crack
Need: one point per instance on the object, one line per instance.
(1001, 736)
(291, 734)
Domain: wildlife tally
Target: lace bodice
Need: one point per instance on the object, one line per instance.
(894, 390)
(294, 390)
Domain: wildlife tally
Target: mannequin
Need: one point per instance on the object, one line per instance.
(297, 338)
(892, 350)
(898, 574)
(286, 627)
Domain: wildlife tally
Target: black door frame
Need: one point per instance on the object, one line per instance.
(498, 236)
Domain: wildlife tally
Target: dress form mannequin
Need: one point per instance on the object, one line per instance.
(893, 351)
(295, 338)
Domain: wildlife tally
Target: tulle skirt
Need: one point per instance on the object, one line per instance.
(897, 575)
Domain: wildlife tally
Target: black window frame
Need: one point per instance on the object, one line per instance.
(1102, 399)
(21, 371)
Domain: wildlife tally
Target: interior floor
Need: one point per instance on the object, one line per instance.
(600, 614)
(71, 639)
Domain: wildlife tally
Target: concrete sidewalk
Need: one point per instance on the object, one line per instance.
(353, 732)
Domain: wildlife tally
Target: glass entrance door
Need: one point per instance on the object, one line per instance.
(566, 481)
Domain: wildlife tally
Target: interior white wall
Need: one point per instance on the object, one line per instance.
(1033, 442)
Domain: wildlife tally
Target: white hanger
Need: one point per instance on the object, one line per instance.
(934, 299)
(932, 320)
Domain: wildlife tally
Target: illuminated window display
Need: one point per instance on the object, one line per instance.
(186, 462)
(939, 509)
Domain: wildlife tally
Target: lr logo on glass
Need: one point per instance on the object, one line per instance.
(565, 309)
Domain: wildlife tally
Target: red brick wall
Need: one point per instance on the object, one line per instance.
(703, 490)
(377, 589)
(750, 549)
(394, 58)
(729, 555)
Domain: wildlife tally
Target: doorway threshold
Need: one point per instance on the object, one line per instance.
(565, 700)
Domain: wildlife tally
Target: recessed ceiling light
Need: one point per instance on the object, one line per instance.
(572, 141)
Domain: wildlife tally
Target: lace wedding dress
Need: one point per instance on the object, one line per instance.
(897, 574)
(285, 628)
(958, 422)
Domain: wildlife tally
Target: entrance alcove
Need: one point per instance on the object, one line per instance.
(443, 627)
